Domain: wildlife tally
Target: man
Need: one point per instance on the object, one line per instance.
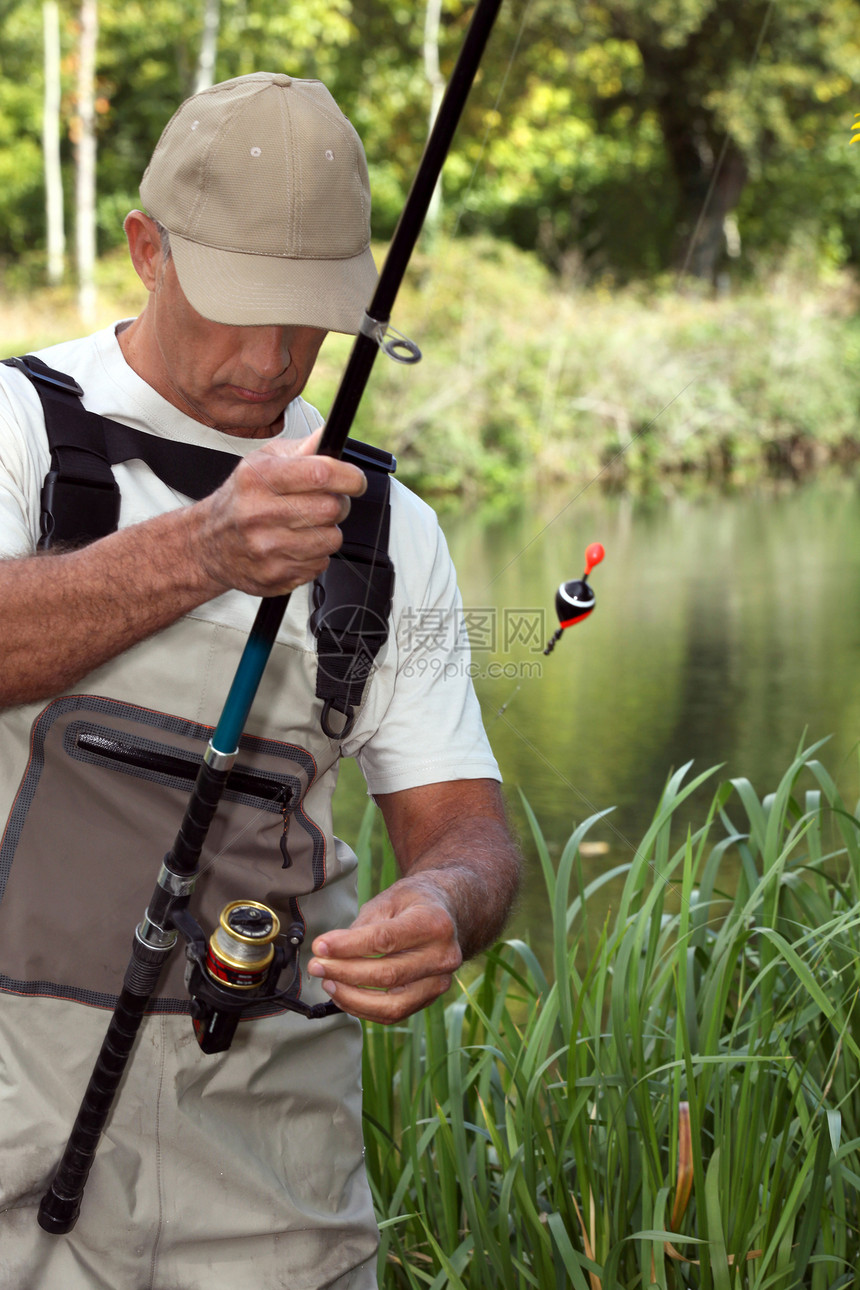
(241, 1168)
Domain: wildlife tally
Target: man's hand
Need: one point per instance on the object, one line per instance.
(461, 870)
(398, 955)
(273, 525)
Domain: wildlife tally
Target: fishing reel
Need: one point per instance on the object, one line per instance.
(575, 600)
(239, 970)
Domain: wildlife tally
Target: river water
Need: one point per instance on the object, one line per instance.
(727, 631)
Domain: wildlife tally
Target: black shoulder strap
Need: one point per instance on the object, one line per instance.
(352, 603)
(81, 500)
(80, 497)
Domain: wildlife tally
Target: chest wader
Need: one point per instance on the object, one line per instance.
(105, 776)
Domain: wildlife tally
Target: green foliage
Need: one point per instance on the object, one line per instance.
(526, 383)
(743, 92)
(591, 134)
(577, 168)
(20, 129)
(677, 1104)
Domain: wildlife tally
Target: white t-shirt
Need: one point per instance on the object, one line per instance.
(420, 722)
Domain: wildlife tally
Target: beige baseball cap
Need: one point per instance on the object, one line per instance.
(262, 184)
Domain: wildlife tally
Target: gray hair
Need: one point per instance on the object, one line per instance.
(164, 237)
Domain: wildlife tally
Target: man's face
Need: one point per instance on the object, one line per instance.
(237, 379)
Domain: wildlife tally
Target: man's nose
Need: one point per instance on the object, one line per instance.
(267, 350)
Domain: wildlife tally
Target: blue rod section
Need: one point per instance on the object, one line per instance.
(249, 673)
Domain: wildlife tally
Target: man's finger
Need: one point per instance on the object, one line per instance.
(410, 929)
(328, 474)
(386, 972)
(387, 1006)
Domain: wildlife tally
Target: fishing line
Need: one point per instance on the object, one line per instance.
(594, 555)
(566, 507)
(493, 114)
(702, 213)
(549, 524)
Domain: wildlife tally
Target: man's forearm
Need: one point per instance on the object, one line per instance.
(66, 614)
(477, 873)
(455, 837)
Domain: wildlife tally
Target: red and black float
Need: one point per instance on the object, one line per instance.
(575, 600)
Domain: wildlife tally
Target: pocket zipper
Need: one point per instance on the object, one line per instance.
(240, 780)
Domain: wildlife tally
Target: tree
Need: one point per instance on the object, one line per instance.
(56, 236)
(733, 83)
(22, 189)
(85, 159)
(208, 46)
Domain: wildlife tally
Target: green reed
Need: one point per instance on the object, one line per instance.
(678, 1108)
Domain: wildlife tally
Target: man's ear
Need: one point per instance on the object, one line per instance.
(144, 247)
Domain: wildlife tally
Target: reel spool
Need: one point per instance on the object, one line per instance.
(241, 949)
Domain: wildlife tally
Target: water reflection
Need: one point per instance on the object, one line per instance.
(727, 631)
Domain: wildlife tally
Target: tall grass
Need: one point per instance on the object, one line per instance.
(676, 1103)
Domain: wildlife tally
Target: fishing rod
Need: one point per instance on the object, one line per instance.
(240, 966)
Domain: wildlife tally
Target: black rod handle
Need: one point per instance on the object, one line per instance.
(59, 1207)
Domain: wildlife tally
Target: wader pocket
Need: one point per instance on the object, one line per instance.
(99, 805)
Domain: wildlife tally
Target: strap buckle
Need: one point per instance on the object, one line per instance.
(346, 729)
(81, 507)
(39, 371)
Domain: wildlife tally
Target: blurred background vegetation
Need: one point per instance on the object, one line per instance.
(595, 135)
(642, 197)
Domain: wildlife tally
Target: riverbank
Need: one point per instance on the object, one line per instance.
(528, 382)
